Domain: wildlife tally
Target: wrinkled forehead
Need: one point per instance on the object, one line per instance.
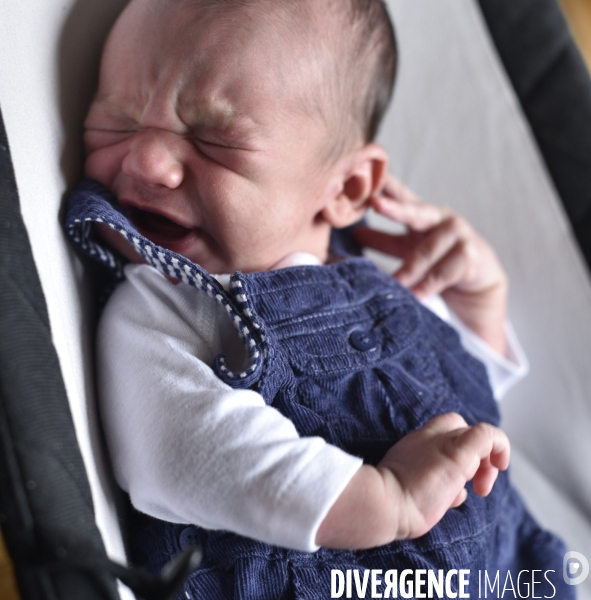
(252, 72)
(263, 37)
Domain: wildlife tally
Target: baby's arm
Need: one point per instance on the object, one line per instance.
(187, 447)
(444, 255)
(418, 480)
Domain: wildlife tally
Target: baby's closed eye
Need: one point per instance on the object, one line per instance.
(95, 138)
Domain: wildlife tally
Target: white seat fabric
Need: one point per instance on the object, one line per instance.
(50, 51)
(457, 136)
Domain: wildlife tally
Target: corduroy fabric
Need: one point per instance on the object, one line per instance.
(362, 401)
(351, 356)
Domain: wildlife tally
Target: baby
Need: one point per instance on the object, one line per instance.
(307, 405)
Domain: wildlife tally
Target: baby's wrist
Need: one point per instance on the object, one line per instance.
(366, 513)
(395, 503)
(484, 313)
(491, 330)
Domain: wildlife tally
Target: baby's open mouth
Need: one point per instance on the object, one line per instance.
(155, 227)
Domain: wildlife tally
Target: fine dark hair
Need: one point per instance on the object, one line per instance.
(376, 50)
(356, 43)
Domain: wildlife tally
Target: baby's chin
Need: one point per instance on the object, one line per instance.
(188, 246)
(195, 248)
(215, 266)
(247, 261)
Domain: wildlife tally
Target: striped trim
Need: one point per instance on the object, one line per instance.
(90, 202)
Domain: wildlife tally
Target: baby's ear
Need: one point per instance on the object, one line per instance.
(360, 175)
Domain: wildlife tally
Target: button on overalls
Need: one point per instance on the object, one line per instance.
(347, 354)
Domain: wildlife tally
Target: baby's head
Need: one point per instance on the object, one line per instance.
(235, 132)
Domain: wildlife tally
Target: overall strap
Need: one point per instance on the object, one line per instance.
(91, 202)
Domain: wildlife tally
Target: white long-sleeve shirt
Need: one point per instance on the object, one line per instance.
(190, 449)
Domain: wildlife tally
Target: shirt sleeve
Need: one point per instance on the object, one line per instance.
(187, 447)
(503, 371)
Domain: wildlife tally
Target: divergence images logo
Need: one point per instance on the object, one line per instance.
(575, 568)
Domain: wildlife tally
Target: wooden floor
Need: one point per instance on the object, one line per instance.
(8, 589)
(578, 14)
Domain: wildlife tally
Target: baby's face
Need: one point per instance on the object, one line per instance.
(197, 130)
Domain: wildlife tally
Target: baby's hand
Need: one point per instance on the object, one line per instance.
(429, 468)
(419, 479)
(442, 254)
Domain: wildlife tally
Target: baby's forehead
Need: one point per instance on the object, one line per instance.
(286, 26)
(196, 32)
(245, 74)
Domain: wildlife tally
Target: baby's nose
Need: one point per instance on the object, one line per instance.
(153, 159)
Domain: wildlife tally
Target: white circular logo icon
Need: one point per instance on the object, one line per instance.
(575, 568)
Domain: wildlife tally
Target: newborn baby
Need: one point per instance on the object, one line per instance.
(299, 402)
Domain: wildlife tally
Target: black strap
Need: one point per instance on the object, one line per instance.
(46, 509)
(45, 503)
(145, 585)
(554, 87)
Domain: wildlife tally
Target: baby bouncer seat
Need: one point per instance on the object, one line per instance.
(491, 116)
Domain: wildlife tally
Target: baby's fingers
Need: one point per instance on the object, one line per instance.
(485, 478)
(417, 216)
(479, 443)
(446, 423)
(439, 250)
(388, 243)
(395, 189)
(489, 470)
(452, 270)
(460, 498)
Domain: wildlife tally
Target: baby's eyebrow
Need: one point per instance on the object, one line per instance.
(218, 115)
(119, 111)
(213, 113)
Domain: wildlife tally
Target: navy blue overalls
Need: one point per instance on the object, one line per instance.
(348, 354)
